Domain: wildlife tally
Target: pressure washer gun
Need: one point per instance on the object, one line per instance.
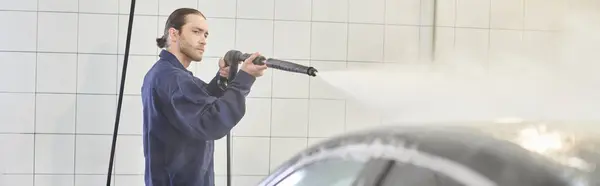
(233, 57)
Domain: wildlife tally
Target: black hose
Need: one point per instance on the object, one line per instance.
(120, 102)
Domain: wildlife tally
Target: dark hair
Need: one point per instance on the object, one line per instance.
(176, 20)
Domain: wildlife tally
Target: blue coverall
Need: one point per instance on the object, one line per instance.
(183, 116)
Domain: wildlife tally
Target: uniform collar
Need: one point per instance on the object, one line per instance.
(168, 56)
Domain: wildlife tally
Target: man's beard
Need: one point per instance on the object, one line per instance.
(189, 51)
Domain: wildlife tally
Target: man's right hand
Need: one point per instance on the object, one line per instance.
(251, 68)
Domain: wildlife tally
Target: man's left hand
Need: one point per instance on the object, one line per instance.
(223, 71)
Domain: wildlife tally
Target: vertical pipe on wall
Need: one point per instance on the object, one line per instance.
(433, 30)
(121, 90)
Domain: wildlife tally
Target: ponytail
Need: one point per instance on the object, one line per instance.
(161, 42)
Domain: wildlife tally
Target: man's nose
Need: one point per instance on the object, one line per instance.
(202, 40)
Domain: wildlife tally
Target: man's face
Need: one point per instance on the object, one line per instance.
(192, 37)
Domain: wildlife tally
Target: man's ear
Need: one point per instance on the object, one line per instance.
(173, 33)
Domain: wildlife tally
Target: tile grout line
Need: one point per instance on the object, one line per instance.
(310, 35)
(346, 60)
(232, 139)
(37, 46)
(487, 63)
(272, 82)
(76, 95)
(118, 84)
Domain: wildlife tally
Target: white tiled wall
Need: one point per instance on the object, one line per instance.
(61, 62)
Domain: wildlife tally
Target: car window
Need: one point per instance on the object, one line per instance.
(410, 175)
(333, 172)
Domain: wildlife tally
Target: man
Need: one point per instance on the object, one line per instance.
(183, 115)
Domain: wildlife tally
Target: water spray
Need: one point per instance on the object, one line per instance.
(233, 58)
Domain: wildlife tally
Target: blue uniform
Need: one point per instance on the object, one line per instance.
(183, 116)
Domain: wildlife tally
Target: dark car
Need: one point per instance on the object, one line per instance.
(422, 156)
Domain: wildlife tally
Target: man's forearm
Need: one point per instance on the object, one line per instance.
(214, 88)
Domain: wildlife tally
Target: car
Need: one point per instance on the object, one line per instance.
(424, 156)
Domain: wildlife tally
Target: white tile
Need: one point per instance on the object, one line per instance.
(162, 21)
(505, 45)
(58, 5)
(446, 13)
(56, 72)
(541, 46)
(97, 74)
(263, 85)
(54, 180)
(254, 36)
(356, 65)
(257, 120)
(444, 45)
(473, 13)
(361, 48)
(401, 44)
(20, 68)
(221, 181)
(221, 38)
(315, 141)
(329, 41)
(291, 85)
(250, 156)
(54, 154)
(19, 160)
(207, 69)
(91, 180)
(319, 87)
(327, 118)
(220, 157)
(28, 5)
(426, 44)
(98, 33)
(17, 112)
(55, 113)
(246, 180)
(137, 67)
(20, 180)
(131, 115)
(219, 8)
(282, 149)
(472, 44)
(166, 7)
(146, 7)
(57, 32)
(361, 11)
(129, 180)
(293, 10)
(544, 15)
(292, 40)
(96, 114)
(427, 11)
(25, 38)
(358, 117)
(402, 11)
(507, 14)
(330, 10)
(92, 153)
(290, 118)
(256, 9)
(143, 34)
(129, 156)
(105, 6)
